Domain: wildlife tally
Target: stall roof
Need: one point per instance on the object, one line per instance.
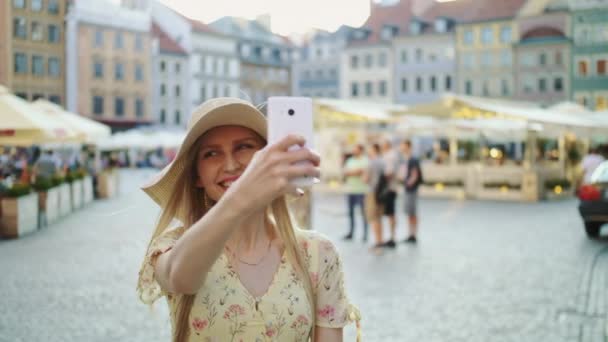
(373, 111)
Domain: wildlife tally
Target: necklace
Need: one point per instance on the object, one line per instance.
(259, 261)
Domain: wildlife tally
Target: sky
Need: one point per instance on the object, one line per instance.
(287, 16)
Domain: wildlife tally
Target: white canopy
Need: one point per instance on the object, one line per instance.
(143, 139)
(372, 111)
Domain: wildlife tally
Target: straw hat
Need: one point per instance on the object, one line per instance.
(213, 113)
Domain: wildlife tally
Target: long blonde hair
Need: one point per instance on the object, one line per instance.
(187, 202)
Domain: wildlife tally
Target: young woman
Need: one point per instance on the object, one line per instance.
(225, 253)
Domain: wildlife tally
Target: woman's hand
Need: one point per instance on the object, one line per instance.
(268, 175)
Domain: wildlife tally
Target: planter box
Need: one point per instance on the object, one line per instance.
(87, 190)
(448, 192)
(19, 216)
(108, 184)
(48, 204)
(550, 195)
(499, 195)
(65, 199)
(76, 189)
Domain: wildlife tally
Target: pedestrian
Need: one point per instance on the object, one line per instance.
(354, 170)
(590, 162)
(375, 181)
(46, 166)
(225, 253)
(391, 168)
(412, 178)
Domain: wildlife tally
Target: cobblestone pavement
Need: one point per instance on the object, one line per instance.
(482, 271)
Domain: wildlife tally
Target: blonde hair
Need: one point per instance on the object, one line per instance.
(187, 202)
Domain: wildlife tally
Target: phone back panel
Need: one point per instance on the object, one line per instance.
(281, 123)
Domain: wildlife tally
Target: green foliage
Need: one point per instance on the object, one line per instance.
(499, 185)
(445, 184)
(43, 184)
(18, 190)
(550, 184)
(57, 180)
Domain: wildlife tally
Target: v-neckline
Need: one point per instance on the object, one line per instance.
(275, 276)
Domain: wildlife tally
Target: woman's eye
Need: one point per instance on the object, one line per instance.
(244, 147)
(209, 154)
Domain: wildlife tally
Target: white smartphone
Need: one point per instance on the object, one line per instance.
(291, 115)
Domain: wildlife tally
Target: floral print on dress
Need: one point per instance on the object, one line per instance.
(224, 310)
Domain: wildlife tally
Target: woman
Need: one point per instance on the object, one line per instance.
(225, 252)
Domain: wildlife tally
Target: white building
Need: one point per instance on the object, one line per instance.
(170, 74)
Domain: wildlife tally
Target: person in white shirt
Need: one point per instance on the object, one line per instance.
(590, 163)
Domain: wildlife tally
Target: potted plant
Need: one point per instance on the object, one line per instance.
(88, 193)
(19, 211)
(74, 178)
(48, 199)
(108, 182)
(558, 188)
(65, 195)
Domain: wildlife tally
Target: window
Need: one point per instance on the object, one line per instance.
(468, 87)
(203, 93)
(22, 95)
(600, 67)
(558, 84)
(542, 59)
(163, 66)
(506, 58)
(487, 35)
(178, 67)
(404, 85)
(118, 42)
(227, 91)
(419, 84)
(527, 59)
(433, 82)
(582, 68)
(98, 38)
(468, 60)
(354, 89)
(37, 96)
(333, 73)
(448, 83)
(486, 59)
(98, 69)
(20, 63)
(354, 62)
(369, 88)
(36, 31)
(382, 85)
(504, 88)
(369, 59)
(119, 72)
(485, 89)
(37, 65)
(163, 90)
(54, 69)
(37, 5)
(19, 28)
(382, 60)
(139, 108)
(319, 74)
(404, 56)
(467, 37)
(97, 105)
(163, 116)
(178, 91)
(139, 72)
(119, 106)
(418, 56)
(53, 34)
(505, 34)
(56, 99)
(19, 3)
(558, 58)
(528, 85)
(139, 42)
(53, 6)
(178, 117)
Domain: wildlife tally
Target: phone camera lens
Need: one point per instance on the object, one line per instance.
(291, 112)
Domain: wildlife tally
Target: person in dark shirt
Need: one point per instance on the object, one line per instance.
(412, 178)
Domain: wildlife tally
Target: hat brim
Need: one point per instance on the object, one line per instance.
(231, 114)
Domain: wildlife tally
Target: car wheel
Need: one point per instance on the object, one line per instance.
(593, 229)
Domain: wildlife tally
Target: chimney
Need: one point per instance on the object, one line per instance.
(264, 20)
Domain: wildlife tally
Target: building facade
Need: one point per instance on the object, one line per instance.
(590, 53)
(170, 75)
(32, 48)
(109, 59)
(542, 58)
(264, 58)
(316, 69)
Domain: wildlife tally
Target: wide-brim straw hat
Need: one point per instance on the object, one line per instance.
(223, 111)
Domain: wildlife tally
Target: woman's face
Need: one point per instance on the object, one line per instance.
(224, 153)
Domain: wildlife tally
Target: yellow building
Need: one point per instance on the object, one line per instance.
(32, 48)
(484, 49)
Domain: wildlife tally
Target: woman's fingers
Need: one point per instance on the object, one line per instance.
(302, 170)
(284, 144)
(302, 154)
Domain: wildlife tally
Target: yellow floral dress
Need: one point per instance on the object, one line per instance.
(224, 310)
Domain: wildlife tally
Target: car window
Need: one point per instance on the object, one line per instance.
(600, 175)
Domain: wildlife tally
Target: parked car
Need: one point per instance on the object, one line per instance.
(594, 201)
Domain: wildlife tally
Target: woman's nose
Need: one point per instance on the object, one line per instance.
(232, 163)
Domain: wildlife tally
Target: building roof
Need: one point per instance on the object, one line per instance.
(484, 10)
(165, 43)
(542, 32)
(198, 26)
(397, 14)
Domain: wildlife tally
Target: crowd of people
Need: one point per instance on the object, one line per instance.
(374, 176)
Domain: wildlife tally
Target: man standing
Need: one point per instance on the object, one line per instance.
(391, 166)
(354, 170)
(412, 180)
(373, 208)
